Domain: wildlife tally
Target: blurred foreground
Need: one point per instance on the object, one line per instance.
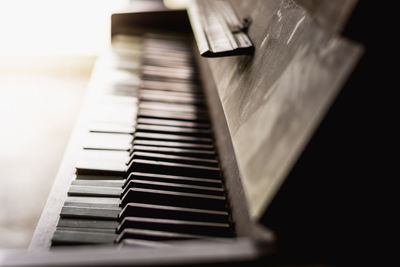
(40, 98)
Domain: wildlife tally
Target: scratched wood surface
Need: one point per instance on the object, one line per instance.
(274, 99)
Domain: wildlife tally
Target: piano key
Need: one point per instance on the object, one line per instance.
(168, 53)
(110, 127)
(91, 205)
(125, 63)
(116, 101)
(170, 212)
(173, 158)
(171, 107)
(71, 200)
(94, 191)
(155, 58)
(103, 156)
(173, 179)
(128, 41)
(90, 213)
(170, 198)
(91, 230)
(95, 202)
(167, 44)
(98, 177)
(156, 114)
(171, 99)
(166, 78)
(156, 92)
(173, 130)
(125, 77)
(62, 237)
(99, 168)
(175, 123)
(172, 137)
(108, 141)
(154, 235)
(162, 167)
(169, 70)
(177, 151)
(102, 162)
(123, 90)
(177, 43)
(87, 223)
(175, 187)
(172, 144)
(106, 183)
(177, 226)
(104, 117)
(114, 113)
(170, 86)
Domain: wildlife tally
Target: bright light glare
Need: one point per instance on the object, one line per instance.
(55, 27)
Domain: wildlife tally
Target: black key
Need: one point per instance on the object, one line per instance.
(173, 158)
(173, 137)
(172, 144)
(62, 237)
(173, 130)
(169, 198)
(174, 213)
(207, 154)
(94, 191)
(176, 226)
(89, 213)
(173, 179)
(175, 187)
(169, 168)
(175, 123)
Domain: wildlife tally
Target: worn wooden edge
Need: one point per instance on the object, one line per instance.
(180, 253)
(48, 220)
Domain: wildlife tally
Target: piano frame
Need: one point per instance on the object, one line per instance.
(254, 243)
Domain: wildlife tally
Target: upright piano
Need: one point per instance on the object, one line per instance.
(200, 141)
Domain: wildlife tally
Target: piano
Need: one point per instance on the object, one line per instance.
(195, 150)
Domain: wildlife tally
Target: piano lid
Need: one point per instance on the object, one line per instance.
(218, 30)
(275, 99)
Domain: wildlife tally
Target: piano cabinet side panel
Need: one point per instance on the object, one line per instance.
(273, 100)
(233, 184)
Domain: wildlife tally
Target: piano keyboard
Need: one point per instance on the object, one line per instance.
(149, 170)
